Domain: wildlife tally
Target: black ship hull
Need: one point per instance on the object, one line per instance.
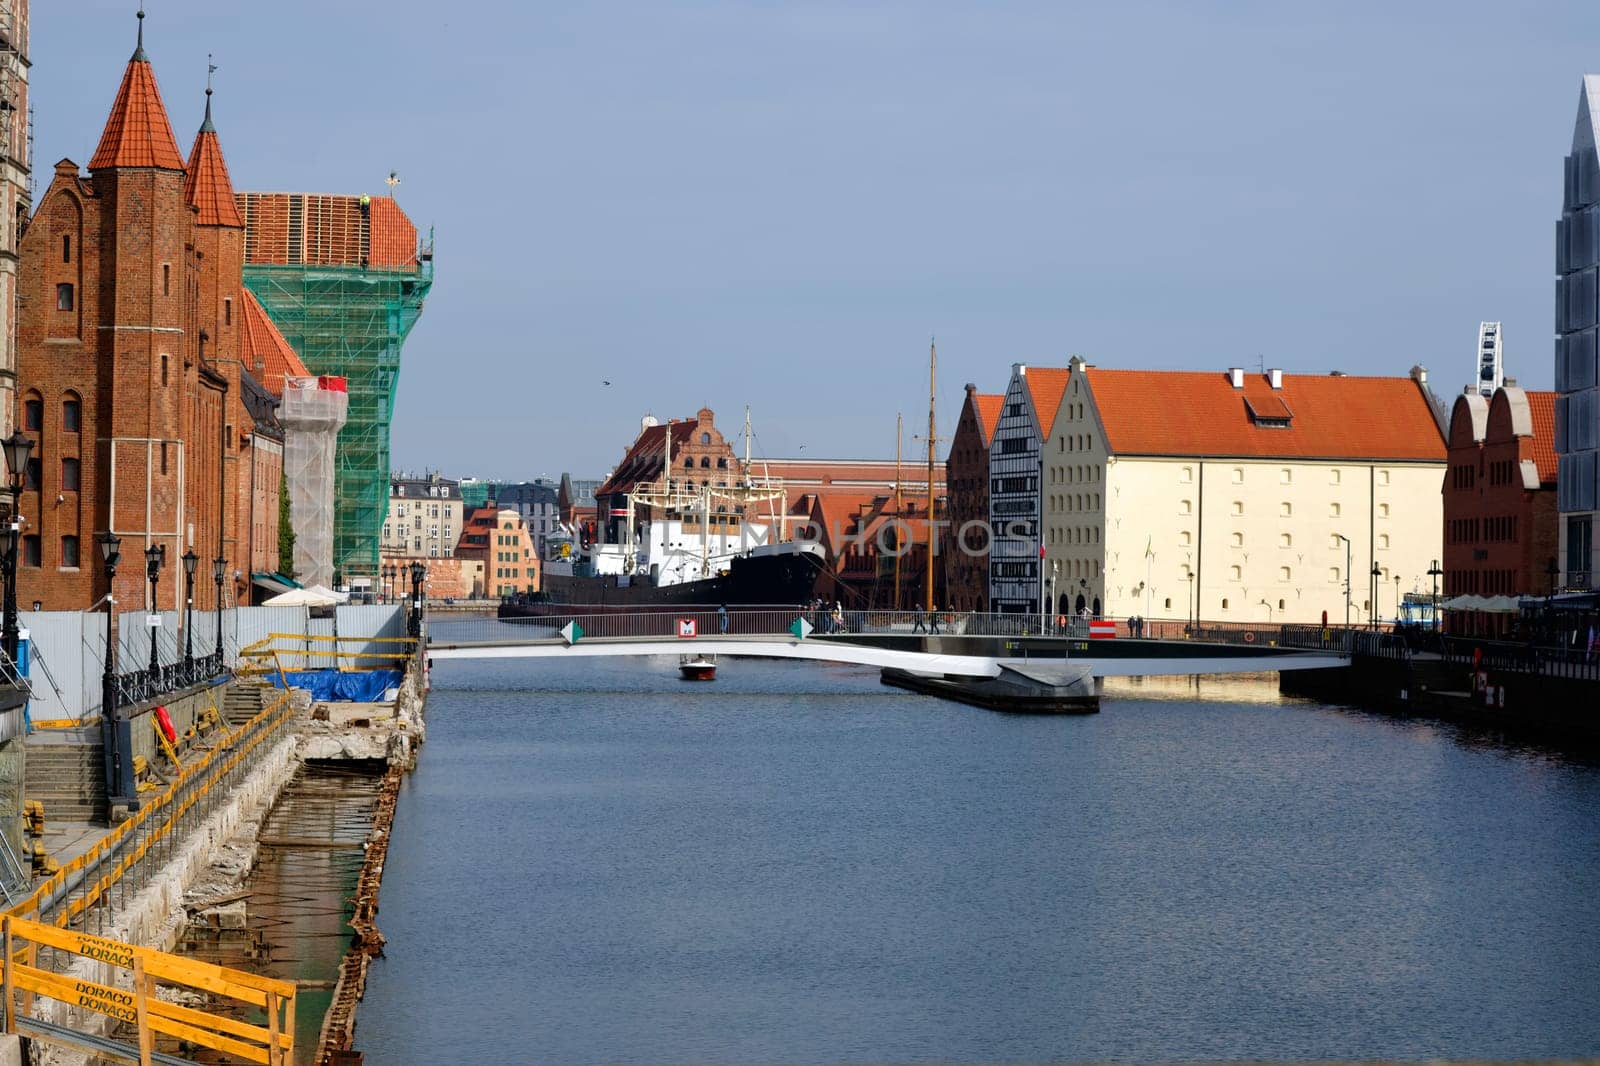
(787, 579)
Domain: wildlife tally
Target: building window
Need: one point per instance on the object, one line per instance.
(1334, 477)
(69, 552)
(1238, 475)
(1238, 540)
(1285, 540)
(1224, 603)
(166, 279)
(1238, 507)
(33, 415)
(1235, 573)
(705, 438)
(1283, 575)
(1383, 510)
(30, 550)
(1383, 477)
(1285, 476)
(66, 249)
(64, 296)
(72, 415)
(1285, 509)
(163, 370)
(1383, 540)
(34, 475)
(1333, 575)
(227, 311)
(1333, 510)
(1186, 474)
(71, 471)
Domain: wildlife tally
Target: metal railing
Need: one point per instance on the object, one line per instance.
(1577, 664)
(139, 686)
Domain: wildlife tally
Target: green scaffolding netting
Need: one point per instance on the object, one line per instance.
(350, 322)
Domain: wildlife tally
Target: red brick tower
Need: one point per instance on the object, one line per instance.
(218, 236)
(108, 380)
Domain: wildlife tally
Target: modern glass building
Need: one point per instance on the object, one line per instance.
(1577, 376)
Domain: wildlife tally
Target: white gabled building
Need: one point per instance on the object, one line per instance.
(1015, 501)
(1243, 497)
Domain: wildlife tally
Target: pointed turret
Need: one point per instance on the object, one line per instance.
(206, 187)
(137, 132)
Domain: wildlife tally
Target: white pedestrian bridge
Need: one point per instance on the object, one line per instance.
(966, 645)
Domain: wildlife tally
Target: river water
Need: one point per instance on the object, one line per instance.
(595, 862)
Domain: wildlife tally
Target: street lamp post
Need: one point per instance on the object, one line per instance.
(1435, 573)
(153, 557)
(110, 728)
(418, 571)
(1347, 564)
(1194, 609)
(17, 448)
(219, 573)
(1055, 571)
(190, 561)
(1373, 612)
(1397, 601)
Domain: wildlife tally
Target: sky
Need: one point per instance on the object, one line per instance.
(780, 204)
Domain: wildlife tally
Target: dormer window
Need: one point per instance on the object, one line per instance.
(1269, 412)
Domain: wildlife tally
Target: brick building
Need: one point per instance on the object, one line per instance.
(130, 373)
(966, 558)
(1501, 526)
(499, 540)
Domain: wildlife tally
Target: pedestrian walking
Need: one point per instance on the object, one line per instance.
(919, 627)
(933, 617)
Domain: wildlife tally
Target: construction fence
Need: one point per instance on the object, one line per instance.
(65, 660)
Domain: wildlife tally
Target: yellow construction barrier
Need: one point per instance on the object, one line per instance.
(271, 1043)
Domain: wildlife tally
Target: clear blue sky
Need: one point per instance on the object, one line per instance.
(778, 203)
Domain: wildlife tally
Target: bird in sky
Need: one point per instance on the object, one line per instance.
(605, 383)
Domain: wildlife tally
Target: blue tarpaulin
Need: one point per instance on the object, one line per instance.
(362, 686)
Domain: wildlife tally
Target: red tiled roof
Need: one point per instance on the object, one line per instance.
(260, 344)
(1542, 406)
(989, 407)
(1046, 385)
(1173, 412)
(206, 186)
(392, 236)
(645, 457)
(137, 133)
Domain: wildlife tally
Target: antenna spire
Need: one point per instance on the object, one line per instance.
(138, 52)
(211, 68)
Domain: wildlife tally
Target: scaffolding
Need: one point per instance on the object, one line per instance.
(313, 412)
(350, 322)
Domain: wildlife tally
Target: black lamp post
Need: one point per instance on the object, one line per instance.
(1194, 612)
(219, 573)
(1397, 601)
(1552, 571)
(17, 448)
(1372, 615)
(190, 561)
(110, 554)
(418, 572)
(153, 557)
(1435, 573)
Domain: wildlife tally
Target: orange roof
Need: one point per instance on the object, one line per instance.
(989, 407)
(1174, 412)
(137, 132)
(206, 186)
(1046, 385)
(327, 230)
(1542, 406)
(264, 351)
(646, 457)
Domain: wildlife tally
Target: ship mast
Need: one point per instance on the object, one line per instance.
(899, 432)
(933, 360)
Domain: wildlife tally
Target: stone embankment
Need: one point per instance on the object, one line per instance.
(201, 880)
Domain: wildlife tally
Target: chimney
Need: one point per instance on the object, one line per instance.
(1236, 376)
(1419, 374)
(1275, 376)
(1078, 364)
(1510, 383)
(1020, 368)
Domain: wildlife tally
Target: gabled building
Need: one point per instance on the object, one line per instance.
(132, 369)
(690, 452)
(1577, 353)
(1016, 500)
(964, 547)
(497, 539)
(1501, 529)
(1242, 497)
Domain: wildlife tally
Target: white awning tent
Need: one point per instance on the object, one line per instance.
(315, 596)
(1484, 604)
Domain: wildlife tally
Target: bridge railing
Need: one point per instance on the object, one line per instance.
(742, 622)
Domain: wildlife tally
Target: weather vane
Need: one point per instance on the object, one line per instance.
(392, 180)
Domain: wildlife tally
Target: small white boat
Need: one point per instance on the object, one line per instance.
(698, 667)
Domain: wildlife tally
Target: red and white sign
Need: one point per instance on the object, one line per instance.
(687, 628)
(1102, 630)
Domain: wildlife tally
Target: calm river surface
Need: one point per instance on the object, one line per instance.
(596, 862)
